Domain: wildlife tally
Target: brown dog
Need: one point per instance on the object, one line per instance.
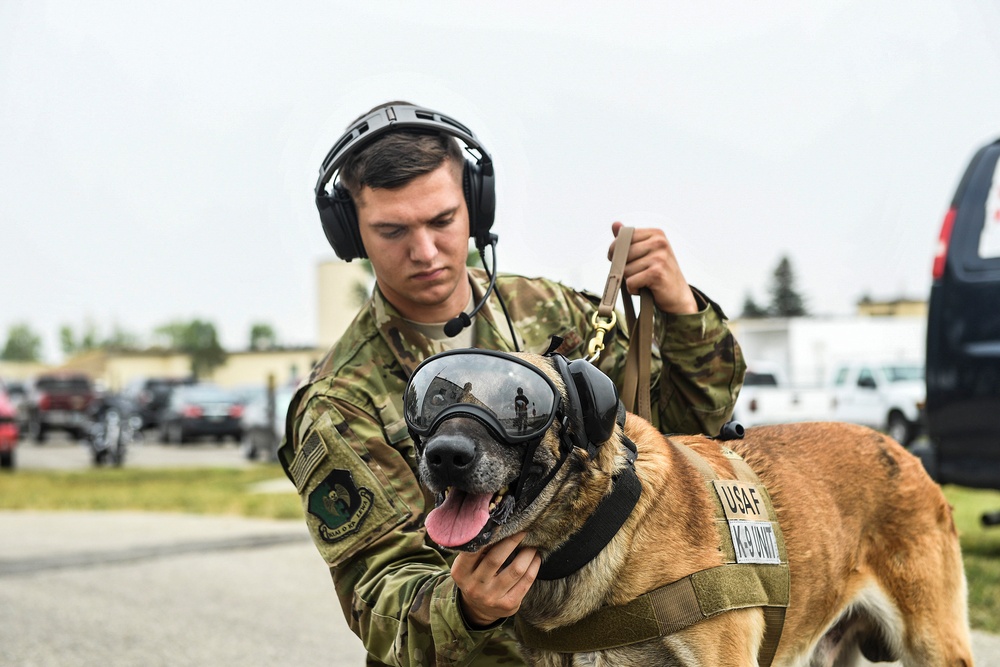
(872, 551)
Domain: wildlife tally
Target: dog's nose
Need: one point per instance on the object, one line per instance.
(450, 455)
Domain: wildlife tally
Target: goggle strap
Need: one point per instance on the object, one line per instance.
(565, 449)
(537, 489)
(529, 456)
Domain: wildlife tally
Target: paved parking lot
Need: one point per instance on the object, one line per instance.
(124, 588)
(62, 453)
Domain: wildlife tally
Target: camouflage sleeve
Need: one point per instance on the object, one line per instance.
(701, 373)
(364, 509)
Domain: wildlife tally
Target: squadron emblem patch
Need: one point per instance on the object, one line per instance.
(340, 505)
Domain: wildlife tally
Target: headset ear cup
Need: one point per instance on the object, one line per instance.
(480, 198)
(340, 223)
(470, 187)
(598, 399)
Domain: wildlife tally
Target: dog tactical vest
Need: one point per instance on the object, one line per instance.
(755, 574)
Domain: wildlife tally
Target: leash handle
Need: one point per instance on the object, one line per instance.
(606, 309)
(635, 390)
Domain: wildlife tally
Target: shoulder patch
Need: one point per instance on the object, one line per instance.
(347, 498)
(340, 505)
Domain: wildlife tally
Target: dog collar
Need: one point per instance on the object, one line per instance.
(610, 515)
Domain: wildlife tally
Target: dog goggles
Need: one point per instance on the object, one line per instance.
(508, 395)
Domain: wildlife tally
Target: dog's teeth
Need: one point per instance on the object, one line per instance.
(498, 498)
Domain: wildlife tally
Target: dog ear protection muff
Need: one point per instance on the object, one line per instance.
(598, 399)
(336, 208)
(592, 400)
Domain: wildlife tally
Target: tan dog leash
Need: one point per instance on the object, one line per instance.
(635, 389)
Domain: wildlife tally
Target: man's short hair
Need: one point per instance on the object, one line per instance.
(396, 158)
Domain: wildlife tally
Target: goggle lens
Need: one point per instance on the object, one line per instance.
(512, 396)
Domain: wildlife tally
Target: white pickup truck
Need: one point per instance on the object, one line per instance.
(767, 399)
(887, 395)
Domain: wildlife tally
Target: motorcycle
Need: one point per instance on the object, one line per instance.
(112, 431)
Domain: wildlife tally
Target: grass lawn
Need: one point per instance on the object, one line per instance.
(193, 490)
(981, 552)
(229, 491)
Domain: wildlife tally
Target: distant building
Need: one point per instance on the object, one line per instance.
(896, 308)
(113, 370)
(807, 350)
(338, 286)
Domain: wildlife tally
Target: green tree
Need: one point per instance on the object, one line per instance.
(198, 339)
(785, 298)
(120, 339)
(91, 339)
(262, 337)
(751, 310)
(23, 344)
(67, 340)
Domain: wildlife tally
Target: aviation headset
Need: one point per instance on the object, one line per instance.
(336, 208)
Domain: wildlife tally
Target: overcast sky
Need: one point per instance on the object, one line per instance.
(157, 159)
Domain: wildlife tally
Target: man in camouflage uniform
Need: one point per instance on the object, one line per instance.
(348, 451)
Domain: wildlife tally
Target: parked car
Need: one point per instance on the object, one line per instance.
(887, 395)
(59, 401)
(963, 331)
(261, 434)
(8, 429)
(767, 399)
(17, 393)
(199, 410)
(147, 397)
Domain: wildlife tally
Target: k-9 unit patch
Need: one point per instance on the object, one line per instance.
(340, 505)
(745, 507)
(755, 542)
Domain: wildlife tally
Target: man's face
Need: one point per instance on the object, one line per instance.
(417, 238)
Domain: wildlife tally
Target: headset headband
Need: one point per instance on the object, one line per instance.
(398, 117)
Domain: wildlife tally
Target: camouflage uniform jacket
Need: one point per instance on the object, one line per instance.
(349, 454)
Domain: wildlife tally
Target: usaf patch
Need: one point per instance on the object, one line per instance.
(340, 505)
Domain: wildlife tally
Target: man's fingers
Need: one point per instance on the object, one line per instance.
(519, 569)
(481, 567)
(615, 228)
(521, 586)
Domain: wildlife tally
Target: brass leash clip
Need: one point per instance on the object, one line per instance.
(604, 318)
(601, 328)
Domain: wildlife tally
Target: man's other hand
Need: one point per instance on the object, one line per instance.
(489, 589)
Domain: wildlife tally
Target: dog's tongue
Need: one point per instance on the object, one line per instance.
(459, 518)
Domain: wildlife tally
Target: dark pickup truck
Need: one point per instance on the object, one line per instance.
(963, 332)
(59, 401)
